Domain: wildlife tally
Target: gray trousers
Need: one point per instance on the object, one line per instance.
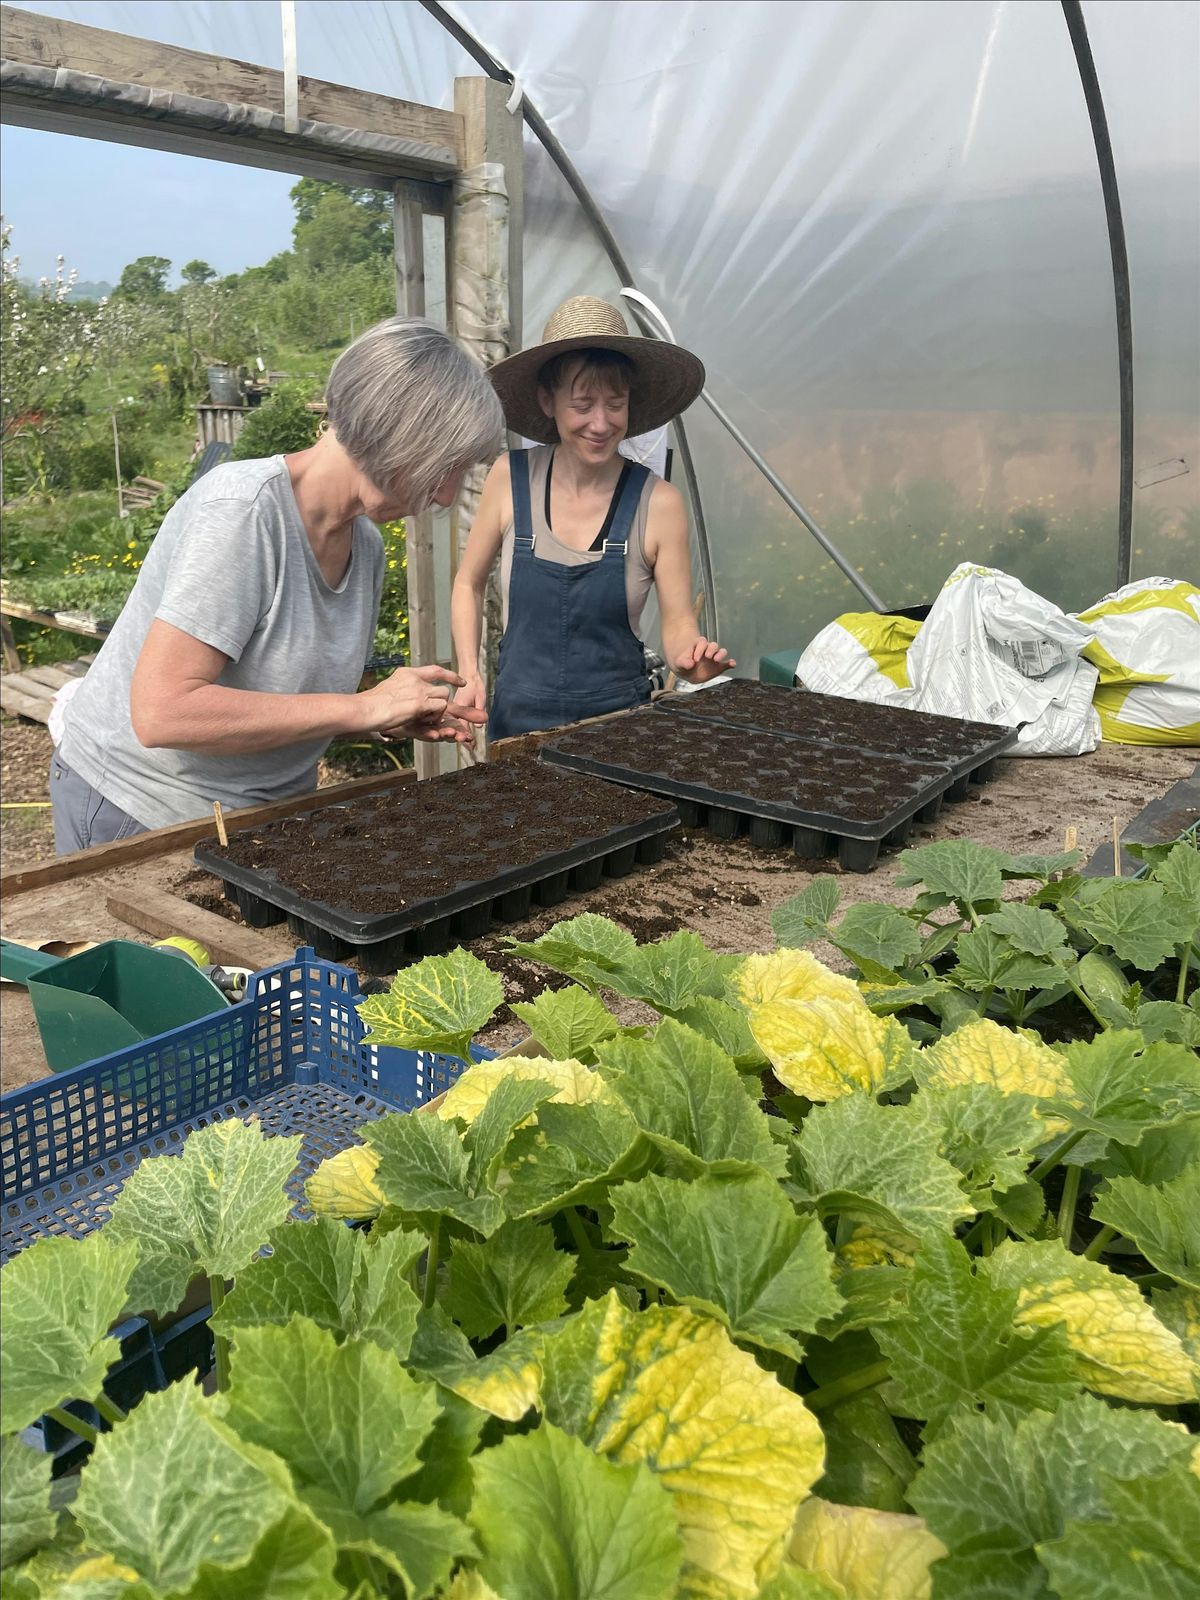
(82, 816)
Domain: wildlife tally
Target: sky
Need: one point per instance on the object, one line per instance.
(102, 205)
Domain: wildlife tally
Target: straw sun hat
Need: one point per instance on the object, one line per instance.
(666, 380)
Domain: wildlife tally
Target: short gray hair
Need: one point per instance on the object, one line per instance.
(408, 404)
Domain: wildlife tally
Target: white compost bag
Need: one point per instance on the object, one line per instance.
(992, 650)
(861, 656)
(58, 707)
(1147, 649)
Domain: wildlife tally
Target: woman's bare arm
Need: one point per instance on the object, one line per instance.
(470, 581)
(688, 653)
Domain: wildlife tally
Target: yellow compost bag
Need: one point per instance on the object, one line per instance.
(861, 655)
(1147, 651)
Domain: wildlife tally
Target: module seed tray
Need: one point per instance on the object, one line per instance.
(291, 1056)
(409, 873)
(779, 789)
(969, 750)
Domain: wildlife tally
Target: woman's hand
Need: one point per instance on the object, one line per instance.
(703, 659)
(473, 693)
(414, 703)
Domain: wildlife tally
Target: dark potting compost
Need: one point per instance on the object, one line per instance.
(838, 793)
(399, 875)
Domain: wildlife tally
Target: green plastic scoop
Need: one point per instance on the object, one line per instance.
(107, 998)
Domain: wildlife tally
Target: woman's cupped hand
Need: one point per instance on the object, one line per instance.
(417, 703)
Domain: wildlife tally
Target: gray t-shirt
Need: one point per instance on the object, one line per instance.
(232, 566)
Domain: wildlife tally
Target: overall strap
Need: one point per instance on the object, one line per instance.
(518, 469)
(622, 522)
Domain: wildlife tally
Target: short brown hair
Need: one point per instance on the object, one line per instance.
(613, 369)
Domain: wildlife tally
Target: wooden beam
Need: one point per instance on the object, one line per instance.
(493, 133)
(161, 841)
(12, 656)
(166, 916)
(49, 619)
(15, 703)
(49, 42)
(408, 232)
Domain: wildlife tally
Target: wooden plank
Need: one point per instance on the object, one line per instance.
(164, 916)
(493, 133)
(408, 232)
(52, 677)
(161, 841)
(12, 656)
(48, 619)
(50, 42)
(25, 683)
(16, 704)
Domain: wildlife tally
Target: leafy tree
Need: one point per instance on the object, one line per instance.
(144, 279)
(197, 272)
(338, 226)
(277, 427)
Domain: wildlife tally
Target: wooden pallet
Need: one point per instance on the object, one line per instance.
(30, 692)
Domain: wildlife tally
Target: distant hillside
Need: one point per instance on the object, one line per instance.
(85, 289)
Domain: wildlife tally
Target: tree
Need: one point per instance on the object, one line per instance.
(144, 279)
(196, 272)
(337, 225)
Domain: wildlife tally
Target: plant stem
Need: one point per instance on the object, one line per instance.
(1096, 1249)
(216, 1290)
(1181, 986)
(431, 1263)
(578, 1232)
(1060, 1150)
(832, 1394)
(978, 1230)
(109, 1409)
(1083, 999)
(1066, 1210)
(77, 1425)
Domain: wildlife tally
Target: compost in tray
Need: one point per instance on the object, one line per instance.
(834, 795)
(400, 874)
(827, 718)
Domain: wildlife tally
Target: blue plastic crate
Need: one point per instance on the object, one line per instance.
(290, 1054)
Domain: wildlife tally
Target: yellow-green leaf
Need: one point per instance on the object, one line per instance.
(864, 1554)
(574, 1083)
(825, 1048)
(344, 1186)
(737, 1451)
(984, 1052)
(1120, 1346)
(791, 975)
(438, 1004)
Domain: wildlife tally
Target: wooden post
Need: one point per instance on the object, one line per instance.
(487, 314)
(408, 231)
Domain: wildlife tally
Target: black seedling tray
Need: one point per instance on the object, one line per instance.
(968, 749)
(406, 874)
(821, 797)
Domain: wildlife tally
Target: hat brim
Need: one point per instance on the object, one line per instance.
(667, 379)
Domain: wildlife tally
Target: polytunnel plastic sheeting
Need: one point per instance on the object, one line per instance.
(881, 227)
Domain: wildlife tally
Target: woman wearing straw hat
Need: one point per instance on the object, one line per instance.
(582, 533)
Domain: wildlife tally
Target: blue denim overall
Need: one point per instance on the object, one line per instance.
(568, 651)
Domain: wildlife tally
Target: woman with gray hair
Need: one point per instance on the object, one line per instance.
(239, 654)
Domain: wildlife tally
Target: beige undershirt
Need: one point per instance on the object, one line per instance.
(639, 575)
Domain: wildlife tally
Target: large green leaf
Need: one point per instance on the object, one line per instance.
(1036, 933)
(1119, 1345)
(1167, 1019)
(510, 1105)
(169, 1489)
(670, 973)
(967, 872)
(294, 1560)
(419, 1543)
(352, 1283)
(736, 1450)
(1136, 919)
(209, 1209)
(732, 1248)
(805, 917)
(60, 1296)
(1160, 1155)
(959, 1347)
(25, 1512)
(571, 1157)
(1163, 1222)
(726, 1026)
(425, 1170)
(505, 1383)
(987, 959)
(568, 1023)
(558, 1522)
(1041, 867)
(986, 1134)
(514, 1278)
(1145, 1549)
(346, 1418)
(444, 1477)
(687, 1098)
(584, 947)
(1119, 1087)
(866, 1461)
(858, 1156)
(991, 1488)
(438, 1004)
(878, 935)
(1179, 874)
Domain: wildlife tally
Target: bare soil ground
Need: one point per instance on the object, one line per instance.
(724, 891)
